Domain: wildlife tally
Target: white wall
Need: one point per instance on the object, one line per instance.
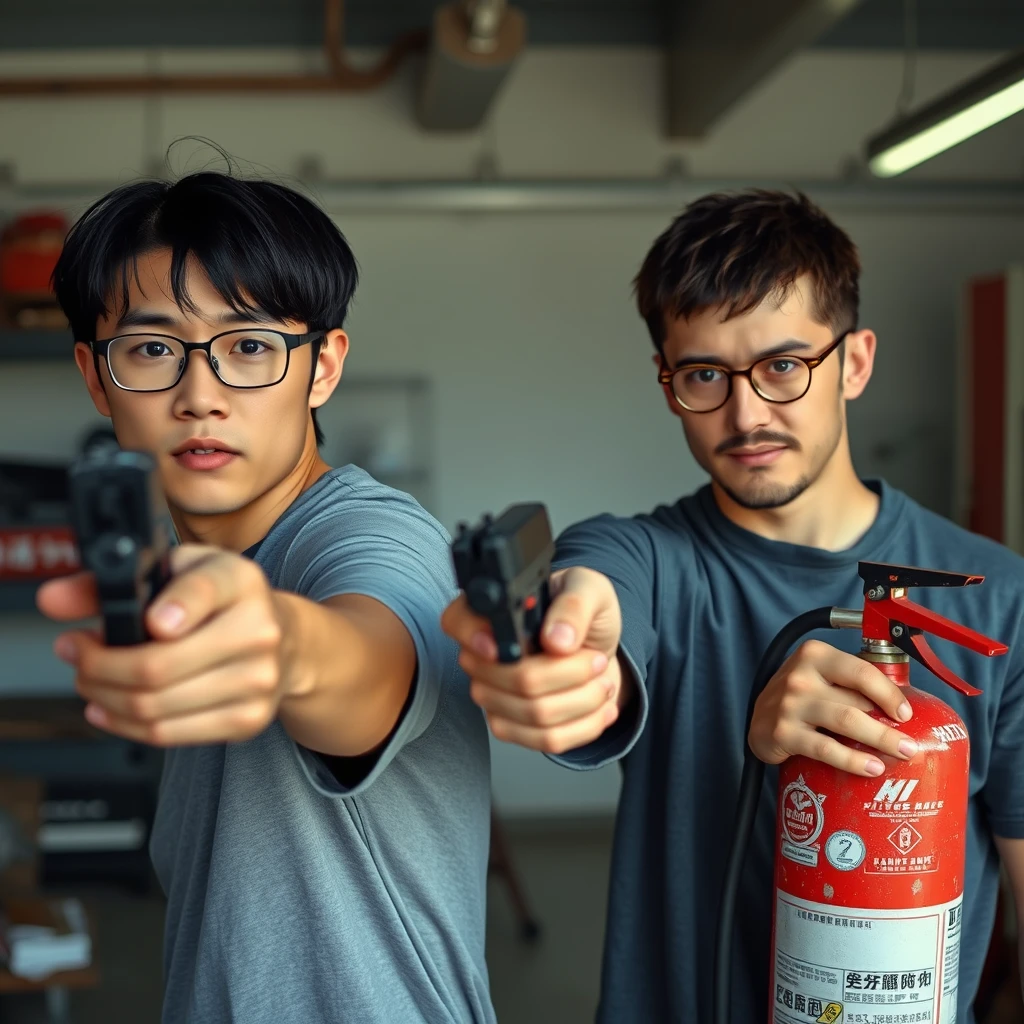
(523, 322)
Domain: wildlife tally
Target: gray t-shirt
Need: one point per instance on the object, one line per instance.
(294, 899)
(701, 600)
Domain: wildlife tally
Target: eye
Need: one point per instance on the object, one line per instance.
(152, 350)
(780, 367)
(703, 375)
(250, 347)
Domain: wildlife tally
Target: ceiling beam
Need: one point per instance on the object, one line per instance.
(720, 49)
(666, 196)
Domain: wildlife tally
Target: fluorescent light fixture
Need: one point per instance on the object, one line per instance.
(978, 104)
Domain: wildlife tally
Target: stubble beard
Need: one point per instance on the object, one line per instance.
(760, 493)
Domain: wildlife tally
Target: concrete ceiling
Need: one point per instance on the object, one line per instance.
(873, 24)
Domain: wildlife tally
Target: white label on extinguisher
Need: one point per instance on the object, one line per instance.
(839, 965)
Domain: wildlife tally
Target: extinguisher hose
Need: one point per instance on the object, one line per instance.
(750, 792)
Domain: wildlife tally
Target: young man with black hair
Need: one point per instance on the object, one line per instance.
(323, 822)
(659, 621)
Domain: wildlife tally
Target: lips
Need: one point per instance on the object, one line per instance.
(203, 445)
(204, 454)
(758, 456)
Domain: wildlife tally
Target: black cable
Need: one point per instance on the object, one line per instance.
(750, 792)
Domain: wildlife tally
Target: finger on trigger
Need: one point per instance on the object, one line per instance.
(462, 624)
(69, 598)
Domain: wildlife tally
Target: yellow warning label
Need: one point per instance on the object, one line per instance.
(831, 1013)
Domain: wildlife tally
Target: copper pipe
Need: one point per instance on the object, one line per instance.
(334, 43)
(340, 78)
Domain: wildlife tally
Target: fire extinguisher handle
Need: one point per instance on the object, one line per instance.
(889, 615)
(881, 578)
(914, 643)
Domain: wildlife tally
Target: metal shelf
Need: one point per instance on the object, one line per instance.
(34, 345)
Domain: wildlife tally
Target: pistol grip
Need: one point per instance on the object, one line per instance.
(124, 624)
(516, 628)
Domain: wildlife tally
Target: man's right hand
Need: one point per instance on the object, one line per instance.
(822, 696)
(564, 696)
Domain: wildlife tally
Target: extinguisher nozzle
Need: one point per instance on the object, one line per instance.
(846, 618)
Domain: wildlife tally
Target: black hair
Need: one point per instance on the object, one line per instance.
(265, 248)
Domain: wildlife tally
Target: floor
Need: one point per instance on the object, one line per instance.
(552, 981)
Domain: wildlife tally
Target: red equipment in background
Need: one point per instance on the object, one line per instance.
(29, 248)
(989, 492)
(869, 871)
(37, 552)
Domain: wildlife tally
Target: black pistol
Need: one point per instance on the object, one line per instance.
(124, 537)
(503, 565)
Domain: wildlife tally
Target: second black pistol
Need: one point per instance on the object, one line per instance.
(124, 537)
(504, 567)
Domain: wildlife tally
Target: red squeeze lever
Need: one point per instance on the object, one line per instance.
(889, 615)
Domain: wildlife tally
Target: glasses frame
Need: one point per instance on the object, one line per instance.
(291, 341)
(665, 376)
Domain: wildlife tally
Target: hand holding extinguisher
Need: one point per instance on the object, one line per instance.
(821, 688)
(868, 870)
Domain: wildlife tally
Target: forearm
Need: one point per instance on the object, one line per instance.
(347, 669)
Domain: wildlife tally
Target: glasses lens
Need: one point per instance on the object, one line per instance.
(250, 359)
(781, 378)
(701, 388)
(145, 362)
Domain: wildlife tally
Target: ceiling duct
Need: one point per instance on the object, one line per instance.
(473, 48)
(719, 51)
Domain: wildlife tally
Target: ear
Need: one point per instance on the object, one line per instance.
(858, 362)
(87, 367)
(330, 363)
(666, 389)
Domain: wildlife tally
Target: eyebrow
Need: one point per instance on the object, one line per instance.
(784, 347)
(150, 318)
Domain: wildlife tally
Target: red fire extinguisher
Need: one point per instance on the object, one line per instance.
(869, 872)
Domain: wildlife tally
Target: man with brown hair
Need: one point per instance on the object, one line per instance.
(659, 621)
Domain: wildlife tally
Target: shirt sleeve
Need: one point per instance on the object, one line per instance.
(1003, 793)
(384, 546)
(622, 550)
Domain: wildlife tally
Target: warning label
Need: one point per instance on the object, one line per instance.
(901, 865)
(865, 966)
(904, 837)
(802, 815)
(894, 800)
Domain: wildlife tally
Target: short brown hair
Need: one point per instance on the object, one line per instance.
(733, 251)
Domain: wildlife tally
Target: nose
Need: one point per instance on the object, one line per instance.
(199, 393)
(746, 410)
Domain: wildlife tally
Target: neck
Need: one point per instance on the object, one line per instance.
(241, 528)
(833, 513)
